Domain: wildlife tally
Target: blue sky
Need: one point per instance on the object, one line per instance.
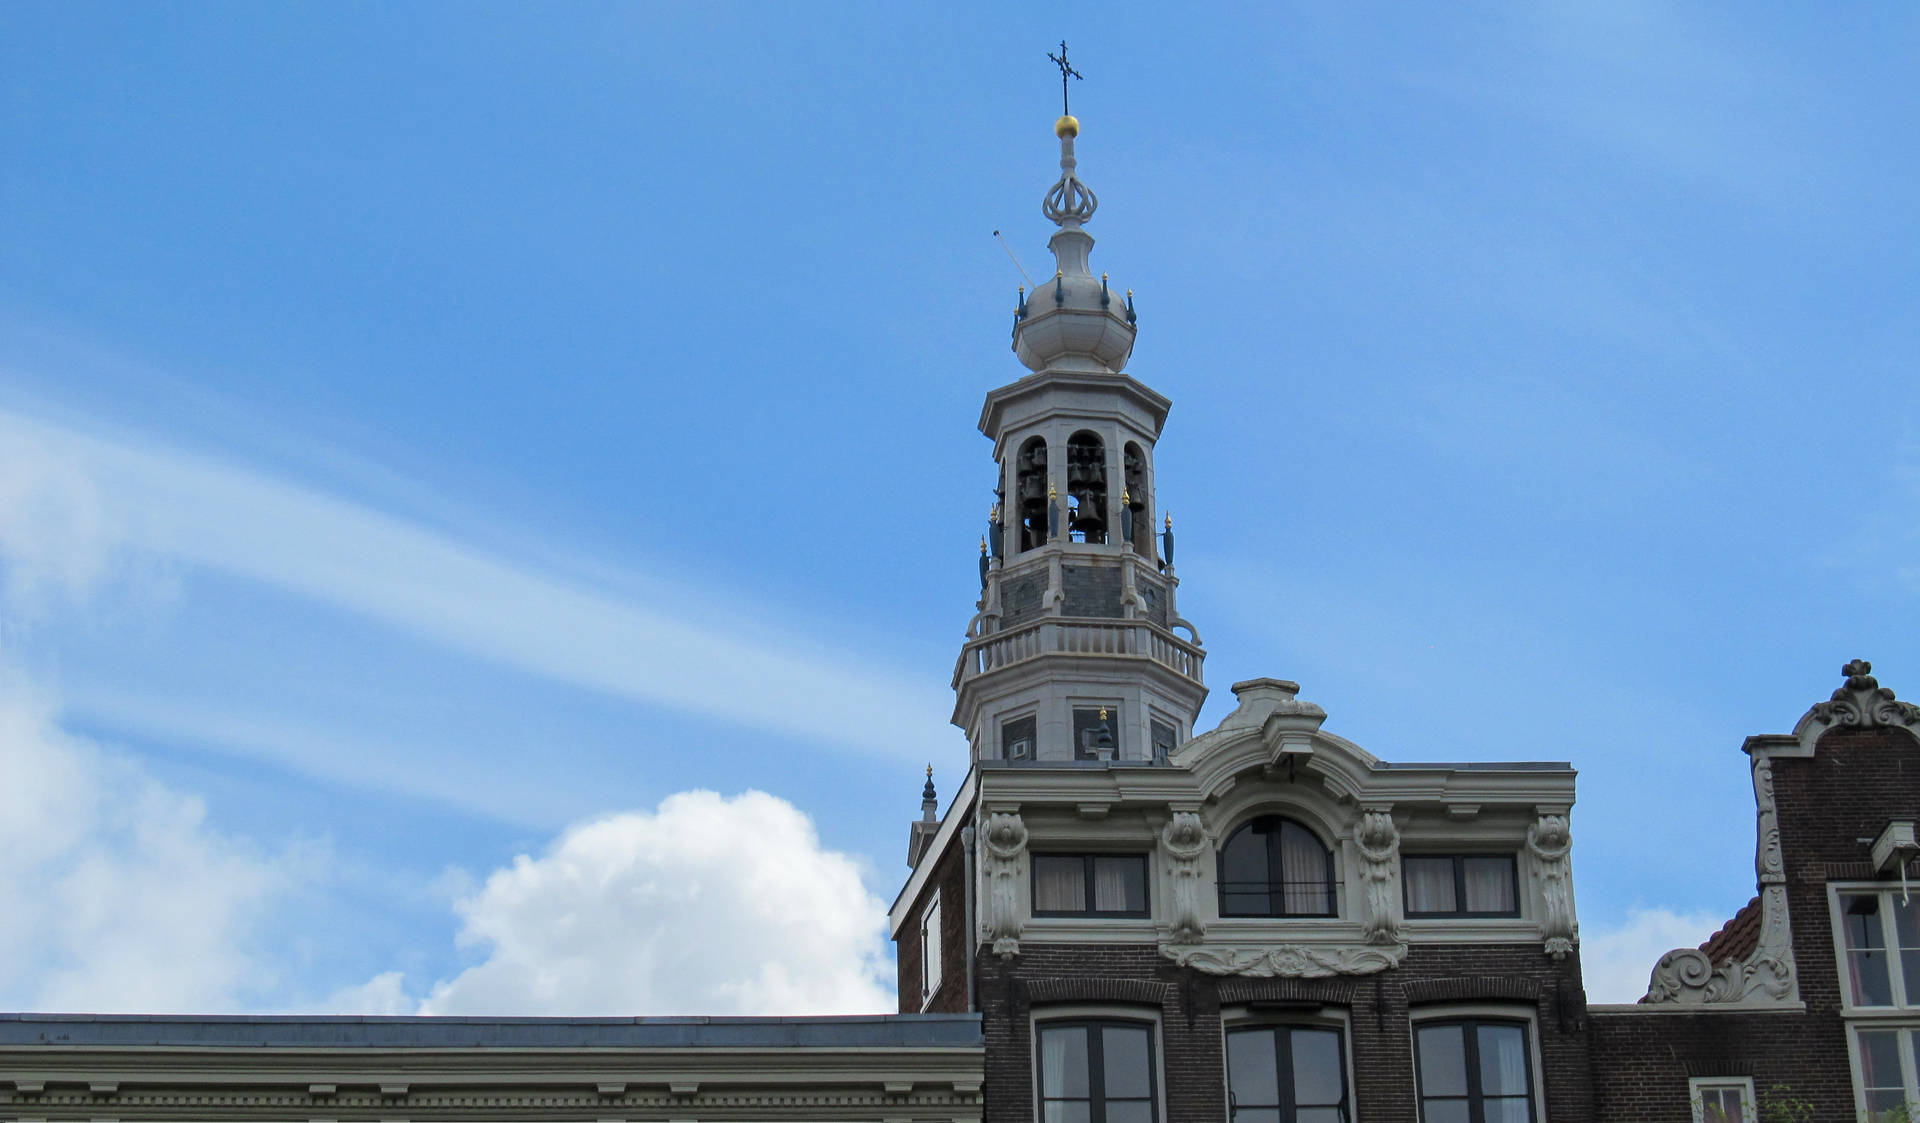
(432, 436)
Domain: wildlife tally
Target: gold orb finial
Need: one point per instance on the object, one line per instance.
(1067, 126)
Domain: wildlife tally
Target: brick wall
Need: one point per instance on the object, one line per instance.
(1188, 1005)
(948, 880)
(1856, 781)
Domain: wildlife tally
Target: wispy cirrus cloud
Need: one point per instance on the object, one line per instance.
(77, 507)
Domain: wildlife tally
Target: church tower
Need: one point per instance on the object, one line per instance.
(1076, 652)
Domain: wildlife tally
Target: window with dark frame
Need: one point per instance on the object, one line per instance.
(1097, 1070)
(1465, 885)
(1096, 733)
(1286, 1074)
(1089, 885)
(1473, 1070)
(1275, 867)
(1016, 738)
(1164, 739)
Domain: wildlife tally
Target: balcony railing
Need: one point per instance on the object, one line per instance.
(1080, 637)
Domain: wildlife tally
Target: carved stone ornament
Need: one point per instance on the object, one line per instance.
(1291, 961)
(1184, 842)
(1686, 977)
(1863, 702)
(1004, 841)
(1550, 840)
(1379, 843)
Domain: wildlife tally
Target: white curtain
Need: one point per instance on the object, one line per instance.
(1489, 884)
(1429, 884)
(1303, 862)
(1110, 884)
(1063, 1063)
(1507, 1045)
(1059, 884)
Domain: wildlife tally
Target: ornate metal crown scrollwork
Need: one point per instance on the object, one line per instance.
(1069, 199)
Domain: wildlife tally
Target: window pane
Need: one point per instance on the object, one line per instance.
(1256, 1115)
(1303, 862)
(1862, 921)
(1880, 1058)
(1059, 883)
(1243, 866)
(1503, 1061)
(1067, 1112)
(1489, 884)
(1120, 884)
(1317, 1074)
(1321, 1115)
(1444, 1111)
(1250, 1068)
(1063, 1061)
(1129, 1111)
(1867, 971)
(1124, 1059)
(1722, 1105)
(1508, 1109)
(1443, 1061)
(1429, 884)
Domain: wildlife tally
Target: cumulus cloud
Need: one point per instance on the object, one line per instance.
(707, 905)
(1617, 961)
(119, 897)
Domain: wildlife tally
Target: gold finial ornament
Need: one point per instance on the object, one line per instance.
(983, 543)
(1051, 494)
(1169, 520)
(929, 771)
(1103, 713)
(1067, 126)
(1126, 496)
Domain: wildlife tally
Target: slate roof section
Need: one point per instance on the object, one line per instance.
(897, 1031)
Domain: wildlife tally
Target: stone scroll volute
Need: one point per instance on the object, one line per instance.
(1550, 841)
(1003, 852)
(1378, 841)
(1183, 842)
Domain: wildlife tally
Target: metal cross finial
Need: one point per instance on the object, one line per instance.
(1066, 71)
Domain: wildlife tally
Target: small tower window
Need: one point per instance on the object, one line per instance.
(1096, 734)
(1133, 463)
(1030, 491)
(1087, 487)
(1163, 740)
(1016, 738)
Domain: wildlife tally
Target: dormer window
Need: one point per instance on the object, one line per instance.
(1275, 867)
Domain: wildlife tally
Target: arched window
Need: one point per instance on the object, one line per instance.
(1087, 487)
(1133, 463)
(1030, 491)
(1275, 867)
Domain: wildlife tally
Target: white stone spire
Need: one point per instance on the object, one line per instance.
(1075, 321)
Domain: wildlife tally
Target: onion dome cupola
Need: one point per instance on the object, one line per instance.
(1076, 320)
(1078, 653)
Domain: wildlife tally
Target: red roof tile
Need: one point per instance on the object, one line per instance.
(1737, 938)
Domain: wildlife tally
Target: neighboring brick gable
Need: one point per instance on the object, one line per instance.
(1188, 1003)
(948, 879)
(1855, 782)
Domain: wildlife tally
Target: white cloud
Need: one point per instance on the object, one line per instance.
(1616, 962)
(118, 895)
(70, 502)
(706, 905)
(56, 533)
